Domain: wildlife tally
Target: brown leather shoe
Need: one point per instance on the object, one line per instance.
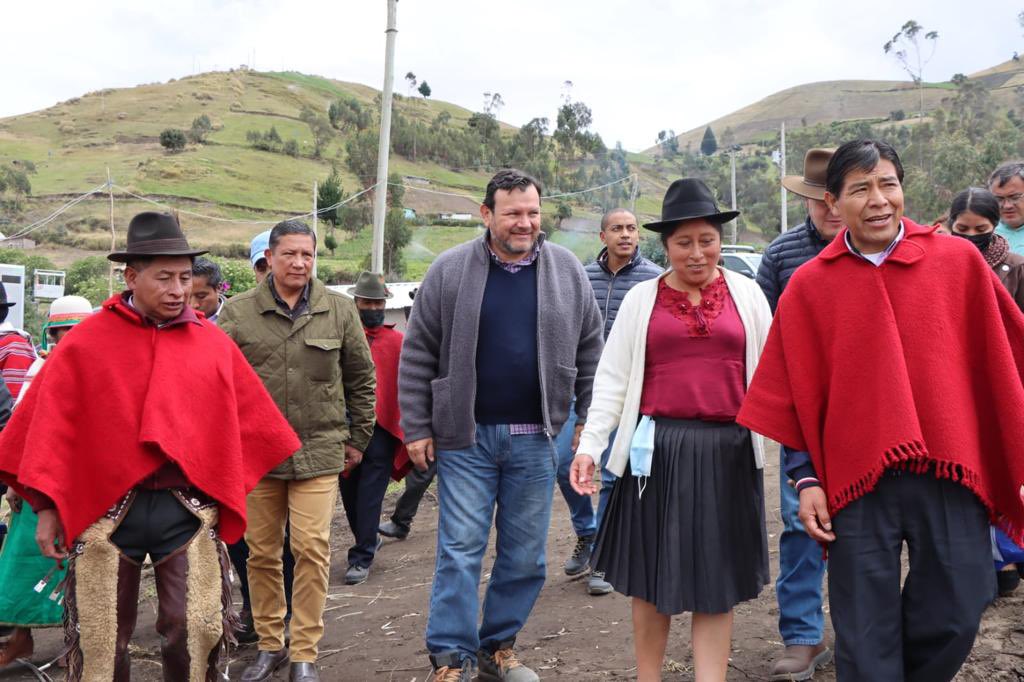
(800, 661)
(265, 665)
(18, 645)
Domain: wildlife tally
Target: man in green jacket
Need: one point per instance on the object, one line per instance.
(307, 345)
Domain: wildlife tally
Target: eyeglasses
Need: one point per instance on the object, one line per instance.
(1011, 199)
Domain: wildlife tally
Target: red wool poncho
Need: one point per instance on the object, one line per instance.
(118, 398)
(385, 347)
(917, 363)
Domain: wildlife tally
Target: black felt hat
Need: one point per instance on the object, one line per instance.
(153, 234)
(687, 199)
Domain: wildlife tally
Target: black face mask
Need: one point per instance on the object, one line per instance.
(982, 241)
(371, 318)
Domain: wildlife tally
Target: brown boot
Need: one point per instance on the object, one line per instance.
(800, 661)
(18, 645)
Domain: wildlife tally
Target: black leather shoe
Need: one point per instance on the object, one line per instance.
(393, 530)
(303, 672)
(265, 665)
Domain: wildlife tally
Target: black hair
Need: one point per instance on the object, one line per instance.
(861, 155)
(1006, 172)
(977, 200)
(608, 216)
(509, 179)
(286, 227)
(204, 267)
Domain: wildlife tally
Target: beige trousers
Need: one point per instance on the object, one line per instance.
(309, 506)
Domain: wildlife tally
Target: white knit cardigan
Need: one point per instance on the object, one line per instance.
(618, 383)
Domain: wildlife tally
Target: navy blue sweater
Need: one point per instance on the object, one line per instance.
(507, 371)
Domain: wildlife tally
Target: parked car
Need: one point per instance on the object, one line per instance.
(741, 259)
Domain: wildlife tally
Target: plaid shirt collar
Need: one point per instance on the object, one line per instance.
(515, 266)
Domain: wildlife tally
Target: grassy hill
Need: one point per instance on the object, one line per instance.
(846, 100)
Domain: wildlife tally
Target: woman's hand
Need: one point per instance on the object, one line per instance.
(581, 475)
(814, 514)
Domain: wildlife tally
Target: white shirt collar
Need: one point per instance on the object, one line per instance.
(876, 259)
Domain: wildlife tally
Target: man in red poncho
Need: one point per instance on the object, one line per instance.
(363, 488)
(893, 369)
(123, 466)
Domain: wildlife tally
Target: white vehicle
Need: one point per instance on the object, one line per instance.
(741, 259)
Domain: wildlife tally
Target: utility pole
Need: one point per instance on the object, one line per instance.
(113, 235)
(380, 192)
(782, 172)
(316, 229)
(732, 172)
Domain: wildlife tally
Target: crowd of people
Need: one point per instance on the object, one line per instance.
(212, 436)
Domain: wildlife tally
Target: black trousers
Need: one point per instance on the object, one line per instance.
(925, 632)
(239, 553)
(362, 492)
(416, 484)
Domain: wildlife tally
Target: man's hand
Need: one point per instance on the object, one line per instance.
(581, 475)
(14, 500)
(421, 452)
(814, 514)
(576, 437)
(49, 535)
(353, 457)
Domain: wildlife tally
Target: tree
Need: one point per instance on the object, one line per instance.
(397, 235)
(708, 145)
(319, 127)
(909, 38)
(424, 90)
(410, 80)
(81, 271)
(291, 147)
(330, 243)
(563, 212)
(396, 191)
(173, 139)
(201, 127)
(329, 193)
(361, 159)
(668, 142)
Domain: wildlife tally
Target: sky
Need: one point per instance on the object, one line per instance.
(641, 65)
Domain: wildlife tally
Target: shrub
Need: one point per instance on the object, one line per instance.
(173, 139)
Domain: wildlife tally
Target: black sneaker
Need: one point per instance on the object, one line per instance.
(1007, 582)
(392, 530)
(356, 575)
(578, 563)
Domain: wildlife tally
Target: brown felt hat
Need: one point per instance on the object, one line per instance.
(811, 185)
(153, 234)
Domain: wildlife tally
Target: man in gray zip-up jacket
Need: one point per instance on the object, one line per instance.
(504, 331)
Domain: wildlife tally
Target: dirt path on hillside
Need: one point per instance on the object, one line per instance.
(375, 630)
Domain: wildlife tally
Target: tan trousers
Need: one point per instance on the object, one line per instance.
(308, 505)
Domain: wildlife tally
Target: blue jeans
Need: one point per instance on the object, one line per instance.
(516, 473)
(584, 522)
(801, 569)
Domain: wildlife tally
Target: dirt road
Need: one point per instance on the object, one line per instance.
(375, 630)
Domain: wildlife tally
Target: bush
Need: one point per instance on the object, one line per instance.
(82, 271)
(231, 250)
(201, 127)
(237, 273)
(291, 147)
(173, 139)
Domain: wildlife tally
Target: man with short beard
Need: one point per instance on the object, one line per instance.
(504, 331)
(907, 434)
(1007, 183)
(801, 565)
(618, 268)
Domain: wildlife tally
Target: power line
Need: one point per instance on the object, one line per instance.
(48, 219)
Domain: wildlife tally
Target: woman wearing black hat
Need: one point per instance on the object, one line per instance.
(685, 526)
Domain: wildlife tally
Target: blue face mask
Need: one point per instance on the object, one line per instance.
(371, 318)
(641, 451)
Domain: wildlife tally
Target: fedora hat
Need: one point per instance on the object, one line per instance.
(154, 234)
(687, 199)
(810, 185)
(4, 303)
(370, 285)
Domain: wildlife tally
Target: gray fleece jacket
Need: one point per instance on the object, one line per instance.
(437, 372)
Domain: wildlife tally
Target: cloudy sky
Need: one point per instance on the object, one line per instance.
(641, 65)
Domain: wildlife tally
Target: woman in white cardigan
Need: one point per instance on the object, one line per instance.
(684, 529)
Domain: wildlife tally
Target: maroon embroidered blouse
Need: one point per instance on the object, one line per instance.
(695, 364)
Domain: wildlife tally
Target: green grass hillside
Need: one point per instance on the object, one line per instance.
(847, 100)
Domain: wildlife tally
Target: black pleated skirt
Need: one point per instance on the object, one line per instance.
(695, 540)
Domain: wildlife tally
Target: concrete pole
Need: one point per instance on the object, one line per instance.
(380, 194)
(316, 228)
(113, 235)
(732, 172)
(782, 172)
